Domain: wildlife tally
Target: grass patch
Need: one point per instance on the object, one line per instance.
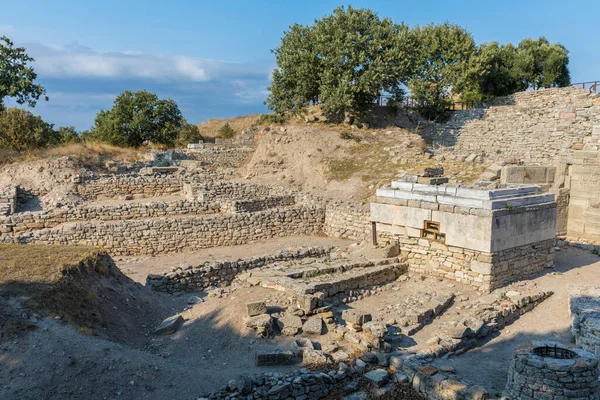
(49, 280)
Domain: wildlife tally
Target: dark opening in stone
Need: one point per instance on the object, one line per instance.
(554, 352)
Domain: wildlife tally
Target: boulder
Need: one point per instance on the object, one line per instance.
(169, 325)
(256, 308)
(314, 358)
(355, 316)
(313, 325)
(377, 377)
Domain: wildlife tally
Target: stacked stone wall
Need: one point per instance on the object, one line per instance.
(537, 127)
(31, 221)
(173, 234)
(205, 191)
(242, 206)
(222, 273)
(8, 200)
(347, 220)
(584, 202)
(115, 186)
(486, 271)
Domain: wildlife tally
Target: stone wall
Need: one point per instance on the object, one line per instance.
(486, 271)
(173, 234)
(8, 200)
(347, 220)
(205, 191)
(242, 206)
(584, 310)
(31, 221)
(538, 127)
(584, 204)
(222, 273)
(115, 186)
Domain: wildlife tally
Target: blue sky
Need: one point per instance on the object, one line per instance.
(213, 57)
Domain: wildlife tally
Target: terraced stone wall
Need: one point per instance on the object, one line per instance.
(347, 220)
(173, 234)
(538, 127)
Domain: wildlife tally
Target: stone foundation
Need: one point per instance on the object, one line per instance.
(550, 370)
(8, 200)
(584, 309)
(486, 271)
(173, 234)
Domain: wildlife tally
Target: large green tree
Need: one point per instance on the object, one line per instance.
(17, 77)
(541, 64)
(343, 61)
(442, 71)
(139, 117)
(20, 130)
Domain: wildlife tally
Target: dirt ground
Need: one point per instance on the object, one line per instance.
(138, 268)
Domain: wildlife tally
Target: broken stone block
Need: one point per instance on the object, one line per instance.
(377, 377)
(169, 325)
(276, 357)
(256, 308)
(290, 325)
(314, 358)
(259, 321)
(302, 344)
(313, 325)
(375, 329)
(355, 316)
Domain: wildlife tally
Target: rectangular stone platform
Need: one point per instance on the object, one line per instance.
(487, 238)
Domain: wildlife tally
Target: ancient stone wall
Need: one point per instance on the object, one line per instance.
(241, 206)
(173, 234)
(486, 271)
(537, 127)
(115, 186)
(8, 200)
(31, 221)
(347, 220)
(222, 273)
(205, 191)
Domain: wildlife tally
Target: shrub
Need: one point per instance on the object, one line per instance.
(226, 131)
(20, 130)
(188, 134)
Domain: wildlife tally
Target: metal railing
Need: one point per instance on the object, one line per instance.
(592, 86)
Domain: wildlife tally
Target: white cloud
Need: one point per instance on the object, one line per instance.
(77, 61)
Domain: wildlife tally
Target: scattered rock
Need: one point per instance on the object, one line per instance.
(377, 377)
(313, 325)
(169, 325)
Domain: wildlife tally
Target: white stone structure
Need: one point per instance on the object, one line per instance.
(487, 238)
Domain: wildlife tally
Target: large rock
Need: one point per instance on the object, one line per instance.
(375, 329)
(377, 377)
(256, 308)
(314, 358)
(313, 325)
(355, 316)
(169, 325)
(259, 321)
(290, 325)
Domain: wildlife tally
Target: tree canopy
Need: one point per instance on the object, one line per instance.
(346, 60)
(139, 117)
(17, 76)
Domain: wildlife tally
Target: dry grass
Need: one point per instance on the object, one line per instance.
(49, 280)
(38, 263)
(87, 154)
(211, 127)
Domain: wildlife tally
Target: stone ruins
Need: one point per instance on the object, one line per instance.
(385, 298)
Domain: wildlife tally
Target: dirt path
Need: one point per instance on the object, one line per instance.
(488, 364)
(138, 268)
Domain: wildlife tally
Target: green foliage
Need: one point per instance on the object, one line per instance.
(344, 61)
(20, 130)
(273, 118)
(445, 53)
(139, 117)
(540, 64)
(188, 134)
(68, 135)
(17, 76)
(226, 131)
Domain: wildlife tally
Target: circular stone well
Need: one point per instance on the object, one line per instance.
(550, 370)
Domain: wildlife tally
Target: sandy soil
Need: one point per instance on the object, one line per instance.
(138, 268)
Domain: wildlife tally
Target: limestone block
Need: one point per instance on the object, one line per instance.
(256, 308)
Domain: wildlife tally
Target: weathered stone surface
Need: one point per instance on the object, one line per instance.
(169, 325)
(377, 377)
(259, 321)
(355, 316)
(311, 357)
(275, 357)
(313, 325)
(256, 308)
